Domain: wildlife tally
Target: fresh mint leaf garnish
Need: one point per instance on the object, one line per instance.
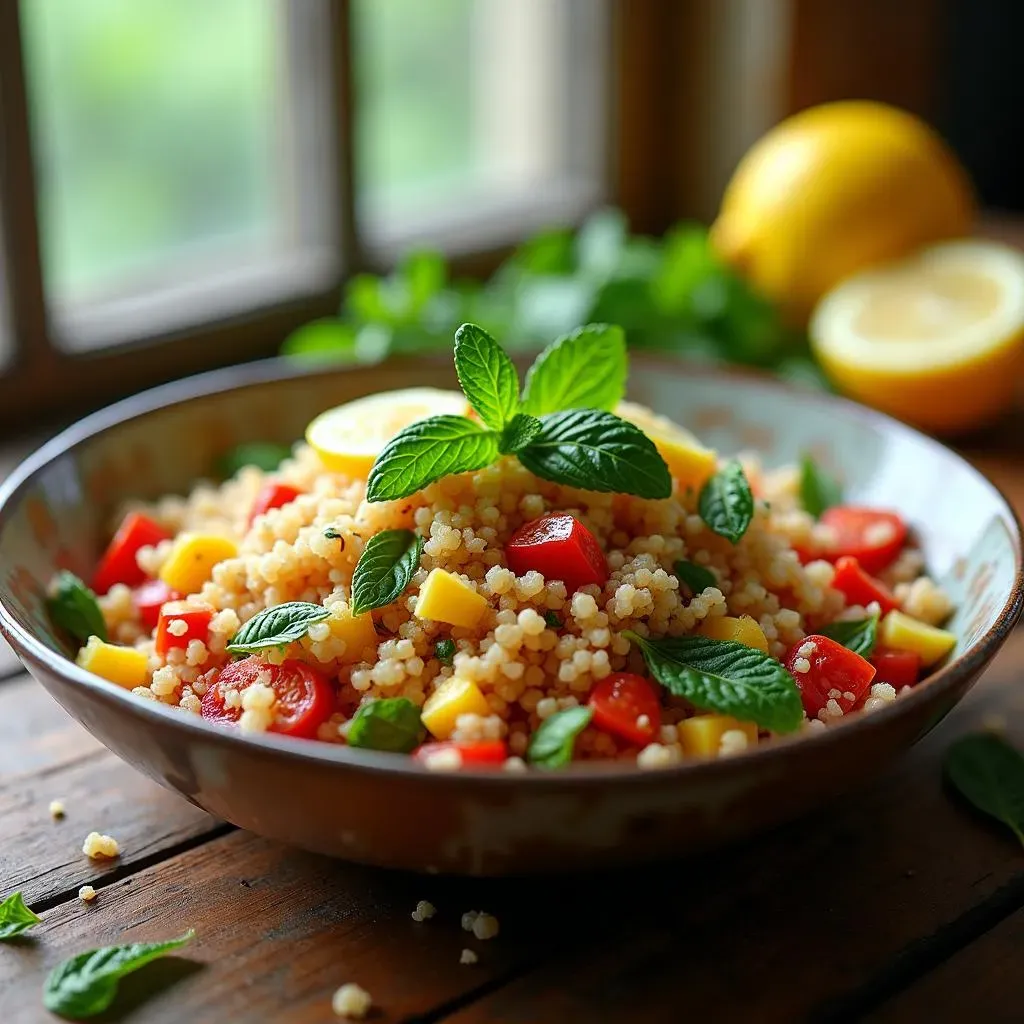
(384, 569)
(427, 451)
(726, 503)
(277, 626)
(585, 369)
(695, 576)
(818, 490)
(552, 620)
(724, 676)
(444, 651)
(73, 607)
(261, 454)
(486, 375)
(990, 774)
(521, 430)
(86, 984)
(15, 917)
(859, 635)
(552, 745)
(596, 451)
(391, 724)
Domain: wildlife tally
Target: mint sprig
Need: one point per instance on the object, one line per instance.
(277, 626)
(384, 569)
(520, 431)
(726, 503)
(486, 375)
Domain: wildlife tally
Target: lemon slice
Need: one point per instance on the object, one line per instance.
(349, 437)
(936, 339)
(687, 459)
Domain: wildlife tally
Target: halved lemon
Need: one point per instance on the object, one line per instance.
(936, 339)
(687, 459)
(348, 438)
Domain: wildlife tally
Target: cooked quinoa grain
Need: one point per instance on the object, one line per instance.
(351, 1001)
(424, 911)
(467, 956)
(87, 894)
(100, 847)
(56, 809)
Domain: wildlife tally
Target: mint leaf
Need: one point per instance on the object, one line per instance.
(73, 607)
(695, 576)
(551, 746)
(552, 620)
(597, 451)
(261, 454)
(384, 569)
(585, 369)
(724, 676)
(15, 917)
(487, 376)
(726, 503)
(989, 773)
(277, 626)
(521, 430)
(818, 489)
(391, 724)
(444, 651)
(86, 984)
(859, 635)
(426, 451)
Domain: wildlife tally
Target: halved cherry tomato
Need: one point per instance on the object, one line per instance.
(479, 752)
(621, 701)
(149, 598)
(859, 587)
(194, 614)
(897, 668)
(272, 495)
(871, 536)
(118, 563)
(559, 547)
(834, 672)
(305, 699)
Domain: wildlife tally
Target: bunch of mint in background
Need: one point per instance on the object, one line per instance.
(671, 295)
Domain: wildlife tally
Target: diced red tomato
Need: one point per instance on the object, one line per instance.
(897, 668)
(118, 563)
(559, 547)
(859, 587)
(194, 614)
(622, 702)
(481, 752)
(305, 699)
(871, 536)
(272, 495)
(149, 598)
(834, 672)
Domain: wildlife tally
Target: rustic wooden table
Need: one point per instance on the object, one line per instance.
(894, 904)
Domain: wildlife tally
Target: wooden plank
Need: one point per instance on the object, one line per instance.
(45, 756)
(820, 916)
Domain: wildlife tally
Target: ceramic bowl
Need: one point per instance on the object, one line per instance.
(387, 810)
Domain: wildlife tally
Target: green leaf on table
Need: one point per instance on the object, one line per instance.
(15, 917)
(990, 774)
(275, 627)
(385, 568)
(724, 676)
(73, 607)
(585, 369)
(86, 984)
(427, 451)
(520, 431)
(391, 724)
(552, 745)
(696, 577)
(596, 451)
(859, 635)
(726, 503)
(263, 455)
(487, 376)
(444, 651)
(818, 490)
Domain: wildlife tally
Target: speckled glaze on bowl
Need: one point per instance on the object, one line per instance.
(387, 810)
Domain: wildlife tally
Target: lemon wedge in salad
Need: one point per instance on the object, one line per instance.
(936, 339)
(350, 437)
(687, 459)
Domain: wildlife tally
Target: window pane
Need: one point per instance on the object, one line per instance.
(164, 140)
(463, 103)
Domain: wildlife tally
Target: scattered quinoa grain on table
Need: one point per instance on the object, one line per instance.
(351, 1001)
(100, 847)
(56, 809)
(467, 956)
(87, 894)
(424, 911)
(485, 926)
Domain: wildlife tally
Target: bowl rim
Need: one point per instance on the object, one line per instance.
(340, 756)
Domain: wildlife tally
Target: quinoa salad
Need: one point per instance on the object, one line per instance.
(512, 577)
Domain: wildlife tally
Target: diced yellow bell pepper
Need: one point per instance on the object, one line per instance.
(454, 697)
(125, 666)
(358, 633)
(445, 597)
(687, 459)
(192, 559)
(743, 630)
(701, 736)
(901, 631)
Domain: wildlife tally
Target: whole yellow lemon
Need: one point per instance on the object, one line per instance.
(833, 190)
